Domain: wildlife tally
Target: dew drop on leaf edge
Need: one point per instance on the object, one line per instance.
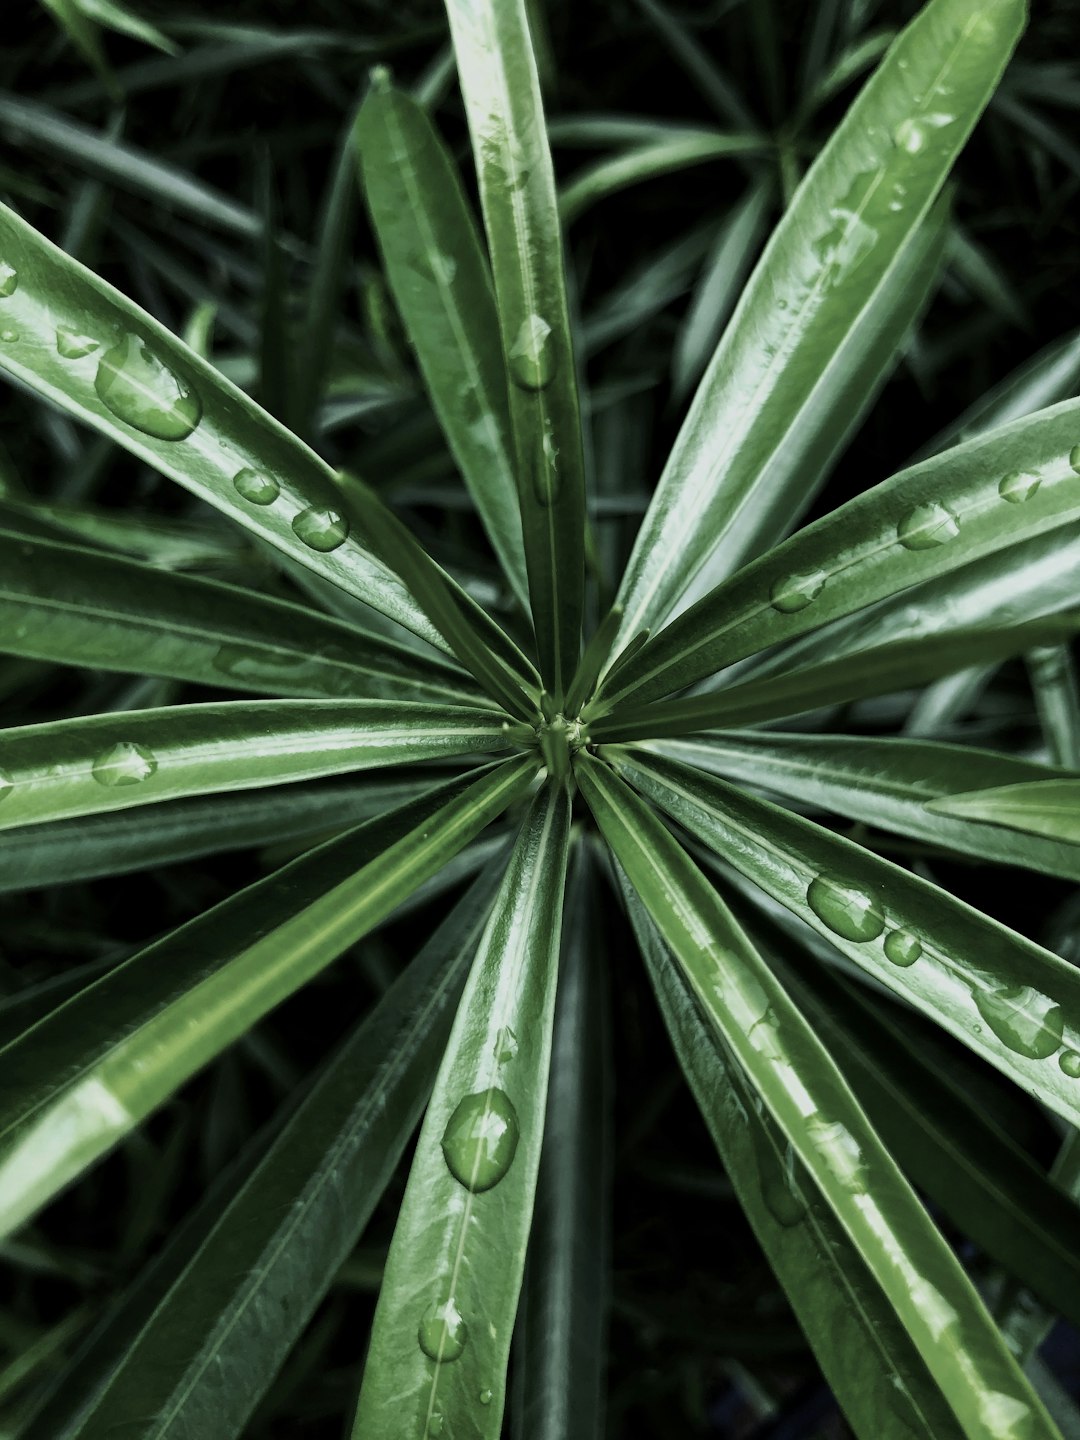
(143, 392)
(442, 1332)
(255, 488)
(846, 910)
(481, 1139)
(1029, 1023)
(124, 764)
(321, 529)
(927, 526)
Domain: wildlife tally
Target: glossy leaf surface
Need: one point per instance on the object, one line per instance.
(1049, 808)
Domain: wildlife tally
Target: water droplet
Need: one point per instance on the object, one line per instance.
(902, 948)
(841, 1150)
(242, 662)
(1069, 1060)
(506, 1045)
(544, 469)
(7, 784)
(846, 910)
(1018, 486)
(795, 592)
(142, 391)
(9, 279)
(1029, 1023)
(70, 345)
(926, 526)
(849, 238)
(913, 134)
(481, 1138)
(532, 355)
(9, 335)
(486, 1397)
(442, 1332)
(783, 1204)
(435, 1424)
(321, 529)
(124, 764)
(781, 304)
(1074, 458)
(256, 488)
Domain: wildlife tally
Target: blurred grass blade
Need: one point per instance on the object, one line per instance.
(820, 1119)
(115, 16)
(63, 768)
(559, 1349)
(734, 478)
(216, 1339)
(713, 84)
(864, 1350)
(1013, 1003)
(1049, 808)
(880, 671)
(517, 193)
(925, 523)
(78, 607)
(883, 782)
(1057, 700)
(85, 36)
(92, 1070)
(441, 1334)
(442, 285)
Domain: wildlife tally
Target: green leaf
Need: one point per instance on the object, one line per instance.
(1057, 700)
(884, 782)
(1012, 1002)
(925, 523)
(517, 193)
(442, 285)
(83, 34)
(88, 1073)
(138, 384)
(819, 1117)
(141, 757)
(77, 607)
(200, 1362)
(126, 22)
(734, 477)
(864, 1351)
(442, 1328)
(880, 671)
(1042, 807)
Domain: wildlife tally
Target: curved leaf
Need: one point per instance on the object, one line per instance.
(1041, 807)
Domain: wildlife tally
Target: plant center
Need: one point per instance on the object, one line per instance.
(559, 740)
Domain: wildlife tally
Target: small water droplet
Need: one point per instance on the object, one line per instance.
(1074, 458)
(435, 1424)
(902, 948)
(486, 1397)
(849, 238)
(1025, 1020)
(9, 335)
(242, 662)
(1018, 486)
(442, 1332)
(926, 526)
(781, 304)
(9, 279)
(506, 1045)
(845, 909)
(481, 1138)
(913, 134)
(255, 488)
(142, 391)
(1069, 1060)
(321, 529)
(124, 764)
(532, 355)
(795, 592)
(70, 345)
(7, 784)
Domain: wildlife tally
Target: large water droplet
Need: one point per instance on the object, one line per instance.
(1069, 1060)
(9, 335)
(9, 279)
(442, 1332)
(7, 784)
(124, 764)
(1018, 486)
(840, 1148)
(321, 529)
(902, 948)
(1074, 458)
(1025, 1020)
(532, 355)
(70, 345)
(255, 488)
(142, 391)
(846, 910)
(926, 526)
(795, 592)
(481, 1138)
(506, 1045)
(914, 133)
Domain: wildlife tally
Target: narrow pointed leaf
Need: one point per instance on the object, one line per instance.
(446, 1310)
(734, 475)
(77, 607)
(1012, 1002)
(816, 1113)
(988, 495)
(884, 782)
(1049, 808)
(517, 193)
(1057, 700)
(442, 285)
(87, 1074)
(863, 1349)
(215, 1341)
(142, 757)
